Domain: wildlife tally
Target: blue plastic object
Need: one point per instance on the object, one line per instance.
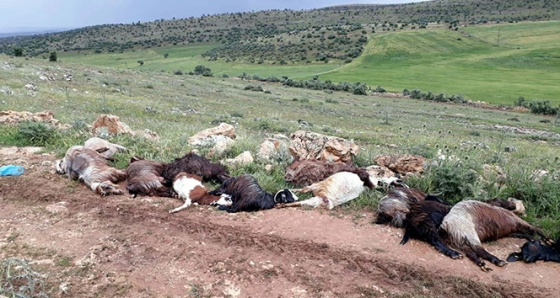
(11, 170)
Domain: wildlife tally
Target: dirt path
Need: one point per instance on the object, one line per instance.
(93, 246)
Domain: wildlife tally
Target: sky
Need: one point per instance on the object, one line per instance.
(36, 15)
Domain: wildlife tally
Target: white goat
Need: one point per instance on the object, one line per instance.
(337, 189)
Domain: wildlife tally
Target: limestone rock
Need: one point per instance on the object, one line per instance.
(310, 145)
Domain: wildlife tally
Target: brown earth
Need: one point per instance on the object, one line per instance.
(91, 246)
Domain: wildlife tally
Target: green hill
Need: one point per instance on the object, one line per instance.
(468, 62)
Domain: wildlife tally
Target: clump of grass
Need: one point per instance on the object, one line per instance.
(18, 279)
(30, 134)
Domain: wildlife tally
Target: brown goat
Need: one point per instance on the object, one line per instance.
(469, 223)
(87, 165)
(143, 177)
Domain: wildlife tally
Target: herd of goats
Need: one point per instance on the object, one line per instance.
(463, 226)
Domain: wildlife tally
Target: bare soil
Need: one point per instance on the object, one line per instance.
(117, 246)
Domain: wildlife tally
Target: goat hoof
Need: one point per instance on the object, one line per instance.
(501, 263)
(278, 206)
(456, 256)
(485, 268)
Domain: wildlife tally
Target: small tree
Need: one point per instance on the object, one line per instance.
(141, 62)
(18, 52)
(53, 57)
(165, 55)
(203, 70)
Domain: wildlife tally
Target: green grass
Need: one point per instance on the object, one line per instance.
(526, 64)
(186, 58)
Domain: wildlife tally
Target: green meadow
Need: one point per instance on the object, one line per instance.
(492, 63)
(468, 61)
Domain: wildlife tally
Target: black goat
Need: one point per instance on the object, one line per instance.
(247, 195)
(535, 250)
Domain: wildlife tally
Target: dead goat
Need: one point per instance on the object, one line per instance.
(189, 188)
(423, 221)
(87, 165)
(104, 147)
(194, 164)
(247, 195)
(536, 250)
(306, 172)
(469, 223)
(394, 207)
(144, 177)
(337, 189)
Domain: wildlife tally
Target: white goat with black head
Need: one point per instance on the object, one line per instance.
(337, 189)
(87, 165)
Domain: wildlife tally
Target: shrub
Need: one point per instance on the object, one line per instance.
(203, 71)
(53, 57)
(34, 133)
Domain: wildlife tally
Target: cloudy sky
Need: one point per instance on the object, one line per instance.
(26, 15)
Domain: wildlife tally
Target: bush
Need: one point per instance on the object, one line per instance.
(203, 71)
(53, 57)
(34, 133)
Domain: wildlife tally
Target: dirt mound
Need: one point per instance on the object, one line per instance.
(91, 246)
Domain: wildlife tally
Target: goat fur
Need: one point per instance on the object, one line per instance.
(104, 147)
(247, 195)
(194, 164)
(337, 189)
(535, 250)
(394, 207)
(190, 189)
(423, 222)
(469, 223)
(144, 177)
(306, 172)
(87, 165)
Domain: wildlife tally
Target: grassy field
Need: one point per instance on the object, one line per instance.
(468, 62)
(176, 107)
(186, 58)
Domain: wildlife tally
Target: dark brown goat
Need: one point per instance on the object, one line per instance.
(306, 172)
(144, 177)
(194, 164)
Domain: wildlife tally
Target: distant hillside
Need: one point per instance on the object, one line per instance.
(285, 36)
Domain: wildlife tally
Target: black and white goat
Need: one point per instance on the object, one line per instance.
(144, 177)
(190, 189)
(195, 164)
(87, 165)
(469, 223)
(394, 207)
(337, 189)
(536, 250)
(247, 195)
(423, 221)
